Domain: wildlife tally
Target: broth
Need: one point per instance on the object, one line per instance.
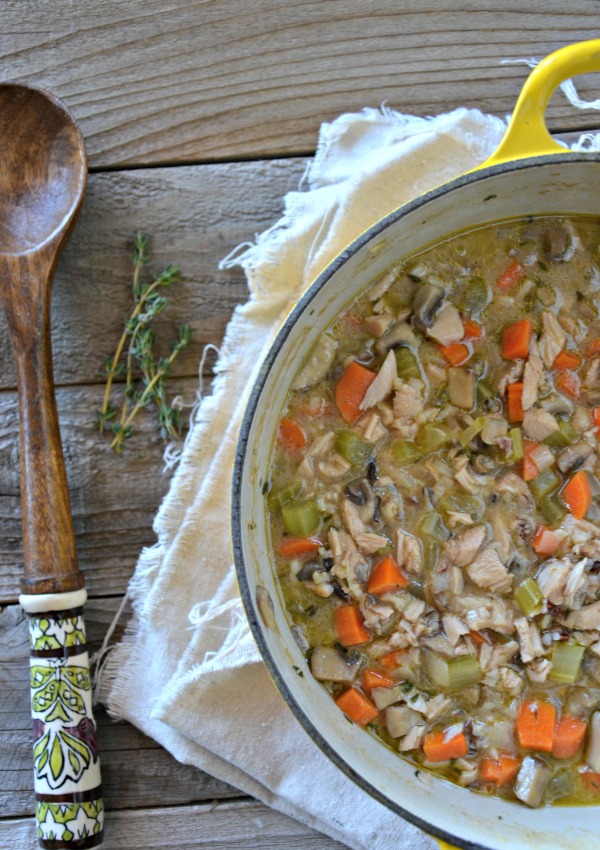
(435, 510)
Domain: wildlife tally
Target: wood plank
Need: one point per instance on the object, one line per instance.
(137, 772)
(218, 826)
(196, 215)
(114, 497)
(195, 80)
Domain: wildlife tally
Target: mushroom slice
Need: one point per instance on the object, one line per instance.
(397, 336)
(400, 719)
(574, 456)
(592, 754)
(532, 779)
(426, 301)
(461, 388)
(560, 242)
(329, 665)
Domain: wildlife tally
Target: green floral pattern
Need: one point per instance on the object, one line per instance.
(69, 821)
(65, 752)
(49, 633)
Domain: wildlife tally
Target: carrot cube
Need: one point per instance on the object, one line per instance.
(535, 725)
(357, 707)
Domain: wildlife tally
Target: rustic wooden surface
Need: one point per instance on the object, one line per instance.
(232, 94)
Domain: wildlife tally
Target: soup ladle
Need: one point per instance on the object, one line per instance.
(43, 169)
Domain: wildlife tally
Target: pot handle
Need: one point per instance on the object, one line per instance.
(527, 134)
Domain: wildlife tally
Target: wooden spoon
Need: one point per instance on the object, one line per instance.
(43, 172)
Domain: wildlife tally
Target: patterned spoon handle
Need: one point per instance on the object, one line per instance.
(68, 793)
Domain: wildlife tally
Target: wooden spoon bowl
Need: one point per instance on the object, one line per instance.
(43, 173)
(42, 183)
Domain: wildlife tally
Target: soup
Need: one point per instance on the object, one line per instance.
(434, 506)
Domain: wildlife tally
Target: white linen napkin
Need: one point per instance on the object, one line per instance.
(188, 672)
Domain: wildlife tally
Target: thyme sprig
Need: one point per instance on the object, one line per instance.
(144, 373)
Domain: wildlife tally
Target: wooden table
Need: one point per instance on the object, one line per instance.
(199, 116)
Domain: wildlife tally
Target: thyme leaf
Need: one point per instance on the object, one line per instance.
(135, 360)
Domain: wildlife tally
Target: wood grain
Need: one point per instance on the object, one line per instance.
(211, 826)
(44, 172)
(114, 498)
(196, 216)
(184, 82)
(204, 80)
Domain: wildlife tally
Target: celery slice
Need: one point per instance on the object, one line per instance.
(518, 451)
(432, 436)
(351, 447)
(469, 433)
(437, 669)
(566, 662)
(301, 518)
(565, 436)
(454, 674)
(476, 296)
(405, 451)
(287, 494)
(553, 509)
(431, 555)
(485, 391)
(544, 484)
(529, 597)
(407, 364)
(433, 526)
(465, 503)
(463, 672)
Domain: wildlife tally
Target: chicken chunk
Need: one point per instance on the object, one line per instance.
(408, 398)
(369, 542)
(454, 628)
(586, 618)
(461, 550)
(408, 552)
(381, 387)
(553, 338)
(509, 375)
(515, 487)
(488, 571)
(537, 671)
(352, 520)
(532, 377)
(414, 739)
(552, 579)
(448, 326)
(529, 640)
(484, 612)
(539, 424)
